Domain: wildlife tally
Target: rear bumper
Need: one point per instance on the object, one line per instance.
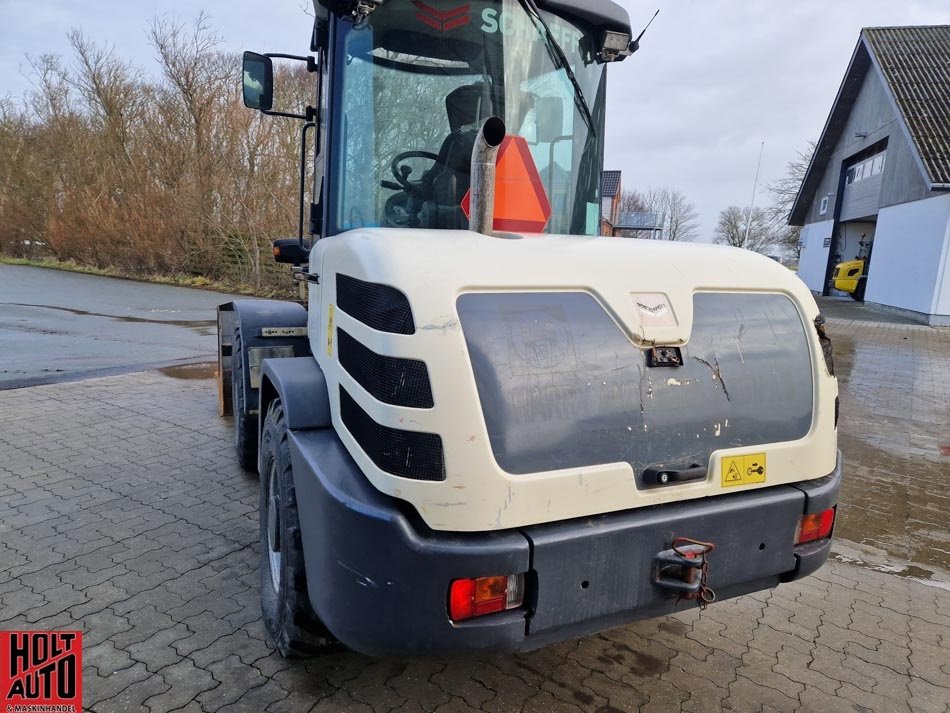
(379, 578)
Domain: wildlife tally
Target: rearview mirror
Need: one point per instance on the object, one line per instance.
(290, 251)
(258, 73)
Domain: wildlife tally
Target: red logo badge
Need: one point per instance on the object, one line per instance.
(41, 671)
(443, 21)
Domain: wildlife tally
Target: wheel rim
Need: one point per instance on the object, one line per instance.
(273, 525)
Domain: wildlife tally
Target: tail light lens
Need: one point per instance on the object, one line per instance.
(815, 527)
(469, 598)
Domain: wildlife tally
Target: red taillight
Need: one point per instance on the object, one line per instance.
(815, 527)
(475, 597)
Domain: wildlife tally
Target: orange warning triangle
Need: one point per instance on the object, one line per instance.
(521, 203)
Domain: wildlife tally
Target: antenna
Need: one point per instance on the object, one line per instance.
(635, 45)
(755, 186)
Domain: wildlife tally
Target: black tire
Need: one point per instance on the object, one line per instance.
(288, 616)
(858, 294)
(245, 425)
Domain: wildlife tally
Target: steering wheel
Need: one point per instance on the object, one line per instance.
(401, 173)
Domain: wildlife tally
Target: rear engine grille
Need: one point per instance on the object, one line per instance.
(417, 456)
(399, 382)
(378, 306)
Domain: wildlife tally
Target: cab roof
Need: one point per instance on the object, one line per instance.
(602, 14)
(599, 14)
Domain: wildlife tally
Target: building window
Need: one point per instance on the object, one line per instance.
(865, 169)
(824, 206)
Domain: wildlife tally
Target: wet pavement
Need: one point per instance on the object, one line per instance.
(124, 513)
(56, 324)
(894, 381)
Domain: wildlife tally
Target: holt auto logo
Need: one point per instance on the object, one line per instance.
(443, 20)
(40, 671)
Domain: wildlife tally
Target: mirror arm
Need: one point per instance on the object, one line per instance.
(303, 176)
(311, 62)
(311, 114)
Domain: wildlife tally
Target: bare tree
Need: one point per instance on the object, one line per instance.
(111, 90)
(680, 219)
(50, 99)
(105, 165)
(631, 202)
(784, 191)
(734, 228)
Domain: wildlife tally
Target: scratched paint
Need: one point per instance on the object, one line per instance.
(562, 386)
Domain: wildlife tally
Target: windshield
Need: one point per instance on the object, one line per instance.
(411, 90)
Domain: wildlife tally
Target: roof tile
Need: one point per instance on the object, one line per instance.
(611, 183)
(915, 62)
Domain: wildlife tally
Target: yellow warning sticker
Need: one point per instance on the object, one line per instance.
(743, 470)
(330, 333)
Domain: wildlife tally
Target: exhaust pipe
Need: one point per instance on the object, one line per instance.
(482, 209)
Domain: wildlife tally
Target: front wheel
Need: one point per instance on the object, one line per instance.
(288, 616)
(858, 294)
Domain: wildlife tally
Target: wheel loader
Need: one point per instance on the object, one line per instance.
(485, 427)
(851, 276)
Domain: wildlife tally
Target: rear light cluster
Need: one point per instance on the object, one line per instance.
(469, 598)
(815, 527)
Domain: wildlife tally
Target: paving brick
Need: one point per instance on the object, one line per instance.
(132, 521)
(106, 658)
(158, 650)
(511, 692)
(870, 701)
(134, 697)
(98, 688)
(185, 681)
(236, 679)
(460, 678)
(747, 696)
(340, 702)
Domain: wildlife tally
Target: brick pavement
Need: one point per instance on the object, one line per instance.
(123, 513)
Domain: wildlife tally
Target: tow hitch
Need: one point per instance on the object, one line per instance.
(683, 570)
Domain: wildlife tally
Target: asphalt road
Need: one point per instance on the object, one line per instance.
(57, 325)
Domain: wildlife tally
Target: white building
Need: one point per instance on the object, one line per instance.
(881, 174)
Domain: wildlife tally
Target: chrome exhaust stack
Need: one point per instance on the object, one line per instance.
(482, 208)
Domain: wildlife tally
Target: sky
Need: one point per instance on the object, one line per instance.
(713, 78)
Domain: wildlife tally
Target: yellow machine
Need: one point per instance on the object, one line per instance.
(849, 277)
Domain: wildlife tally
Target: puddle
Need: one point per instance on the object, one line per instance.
(201, 324)
(191, 371)
(876, 560)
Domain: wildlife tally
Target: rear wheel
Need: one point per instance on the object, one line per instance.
(245, 425)
(285, 601)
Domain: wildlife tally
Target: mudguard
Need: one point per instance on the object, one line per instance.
(302, 388)
(269, 329)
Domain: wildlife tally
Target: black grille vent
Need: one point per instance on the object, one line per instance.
(399, 382)
(417, 456)
(378, 306)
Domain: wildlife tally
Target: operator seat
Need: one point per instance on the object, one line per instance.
(467, 107)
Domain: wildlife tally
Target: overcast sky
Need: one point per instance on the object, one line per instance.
(712, 80)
